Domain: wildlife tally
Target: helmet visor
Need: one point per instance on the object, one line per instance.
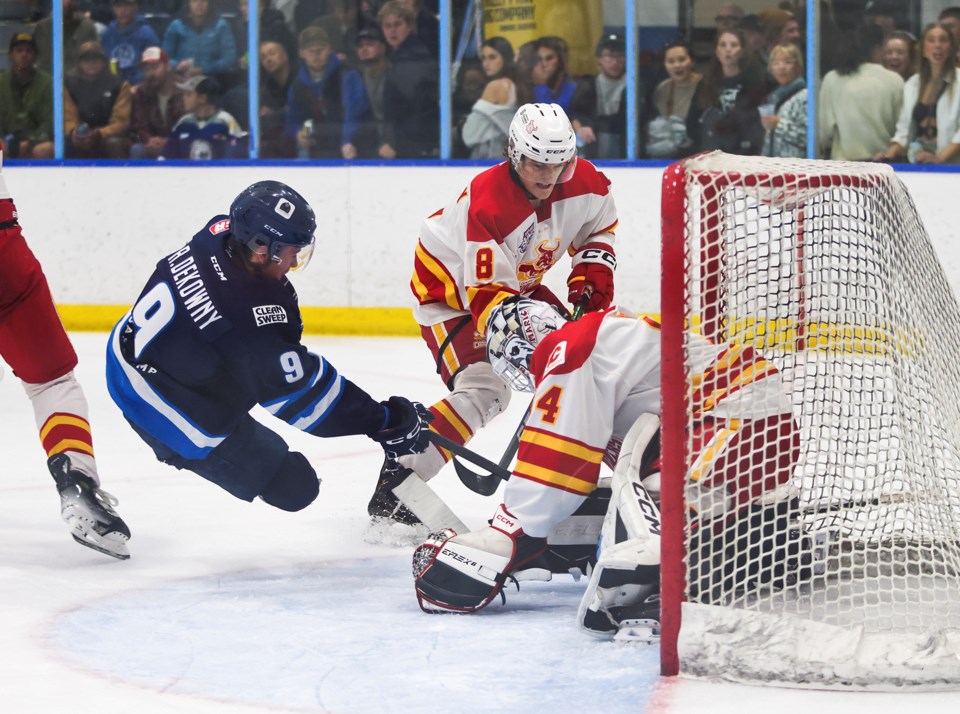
(301, 255)
(287, 256)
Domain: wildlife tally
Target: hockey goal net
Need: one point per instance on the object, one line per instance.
(825, 269)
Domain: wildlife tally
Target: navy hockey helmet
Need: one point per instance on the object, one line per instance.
(270, 216)
(515, 328)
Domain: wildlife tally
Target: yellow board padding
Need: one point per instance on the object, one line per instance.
(366, 321)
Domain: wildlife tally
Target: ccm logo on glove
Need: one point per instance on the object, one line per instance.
(592, 274)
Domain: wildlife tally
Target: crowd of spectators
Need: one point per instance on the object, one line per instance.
(359, 79)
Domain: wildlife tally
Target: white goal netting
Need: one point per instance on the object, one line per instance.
(825, 269)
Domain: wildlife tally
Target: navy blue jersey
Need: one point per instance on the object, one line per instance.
(207, 340)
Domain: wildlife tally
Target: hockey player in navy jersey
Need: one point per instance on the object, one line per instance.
(217, 330)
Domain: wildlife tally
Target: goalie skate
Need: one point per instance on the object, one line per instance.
(640, 623)
(88, 510)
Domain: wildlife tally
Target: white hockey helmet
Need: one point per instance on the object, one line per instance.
(543, 132)
(515, 328)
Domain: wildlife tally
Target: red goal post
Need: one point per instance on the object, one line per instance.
(825, 270)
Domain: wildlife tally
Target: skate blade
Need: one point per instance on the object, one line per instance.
(114, 548)
(112, 544)
(386, 531)
(640, 631)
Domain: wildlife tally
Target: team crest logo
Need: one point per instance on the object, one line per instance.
(269, 315)
(531, 126)
(557, 358)
(546, 256)
(220, 226)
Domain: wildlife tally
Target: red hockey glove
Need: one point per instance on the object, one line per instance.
(593, 266)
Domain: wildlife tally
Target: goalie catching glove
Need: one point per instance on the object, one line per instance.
(404, 428)
(463, 573)
(592, 274)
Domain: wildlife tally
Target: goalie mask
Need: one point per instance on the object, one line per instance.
(542, 133)
(270, 218)
(515, 328)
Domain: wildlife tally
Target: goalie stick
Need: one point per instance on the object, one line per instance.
(486, 484)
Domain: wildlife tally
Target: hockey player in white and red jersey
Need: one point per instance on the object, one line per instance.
(34, 343)
(598, 383)
(500, 236)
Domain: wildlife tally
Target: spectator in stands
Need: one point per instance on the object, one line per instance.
(928, 129)
(96, 108)
(882, 13)
(667, 131)
(723, 112)
(786, 127)
(125, 39)
(427, 24)
(485, 130)
(372, 64)
(900, 53)
(276, 77)
(598, 109)
(411, 90)
(329, 95)
(859, 100)
(728, 17)
(342, 24)
(557, 87)
(26, 102)
(77, 29)
(200, 43)
(157, 105)
(779, 27)
(950, 18)
(272, 24)
(205, 132)
(753, 35)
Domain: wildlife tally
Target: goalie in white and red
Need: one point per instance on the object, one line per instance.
(597, 387)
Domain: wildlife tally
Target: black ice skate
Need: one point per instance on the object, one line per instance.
(88, 510)
(384, 505)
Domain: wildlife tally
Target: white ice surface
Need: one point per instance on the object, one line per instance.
(226, 606)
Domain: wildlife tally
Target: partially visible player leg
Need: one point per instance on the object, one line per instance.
(35, 345)
(477, 396)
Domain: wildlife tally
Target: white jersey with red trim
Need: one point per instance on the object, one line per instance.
(595, 377)
(491, 243)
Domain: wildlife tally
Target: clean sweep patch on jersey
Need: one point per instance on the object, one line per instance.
(269, 314)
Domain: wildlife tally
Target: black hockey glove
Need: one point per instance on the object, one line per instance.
(406, 423)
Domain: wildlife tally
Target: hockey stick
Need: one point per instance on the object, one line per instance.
(486, 484)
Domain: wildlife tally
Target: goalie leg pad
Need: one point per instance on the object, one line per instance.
(628, 566)
(572, 543)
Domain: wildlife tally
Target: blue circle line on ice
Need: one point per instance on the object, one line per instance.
(348, 636)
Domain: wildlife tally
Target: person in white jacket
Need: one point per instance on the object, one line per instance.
(485, 130)
(928, 130)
